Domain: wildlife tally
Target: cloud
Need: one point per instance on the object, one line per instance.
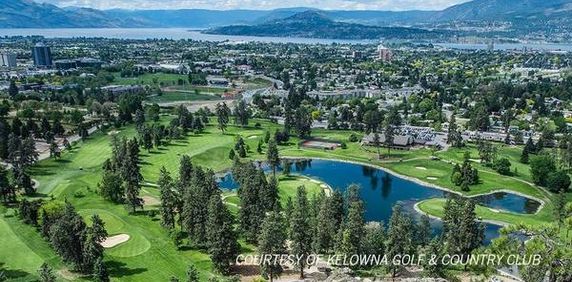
(394, 5)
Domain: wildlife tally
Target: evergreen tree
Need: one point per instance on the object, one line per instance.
(222, 240)
(46, 274)
(399, 237)
(67, 237)
(223, 113)
(252, 206)
(132, 176)
(231, 154)
(100, 273)
(185, 171)
(111, 187)
(353, 234)
(436, 268)
(374, 239)
(168, 199)
(6, 189)
(424, 231)
(272, 155)
(241, 113)
(192, 274)
(272, 240)
(13, 89)
(326, 227)
(300, 231)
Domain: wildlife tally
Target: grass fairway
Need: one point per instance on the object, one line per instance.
(150, 254)
(435, 207)
(175, 96)
(289, 187)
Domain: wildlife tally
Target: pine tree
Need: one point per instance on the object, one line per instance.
(435, 269)
(46, 274)
(272, 240)
(423, 231)
(221, 238)
(300, 231)
(111, 186)
(185, 171)
(374, 239)
(272, 155)
(132, 176)
(354, 232)
(168, 199)
(222, 112)
(399, 237)
(270, 195)
(241, 113)
(6, 189)
(100, 273)
(192, 274)
(252, 206)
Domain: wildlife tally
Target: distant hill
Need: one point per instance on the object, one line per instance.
(317, 25)
(523, 17)
(29, 14)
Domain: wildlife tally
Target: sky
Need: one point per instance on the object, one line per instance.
(391, 5)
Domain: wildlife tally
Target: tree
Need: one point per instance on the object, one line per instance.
(46, 274)
(92, 249)
(303, 122)
(185, 171)
(463, 232)
(111, 186)
(300, 232)
(241, 113)
(374, 239)
(436, 269)
(454, 137)
(223, 113)
(192, 274)
(423, 234)
(558, 181)
(132, 176)
(487, 152)
(353, 232)
(377, 144)
(389, 133)
(540, 167)
(399, 237)
(168, 199)
(6, 188)
(327, 226)
(272, 155)
(100, 273)
(221, 237)
(272, 240)
(12, 89)
(231, 154)
(502, 166)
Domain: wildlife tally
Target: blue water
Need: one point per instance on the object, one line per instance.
(381, 191)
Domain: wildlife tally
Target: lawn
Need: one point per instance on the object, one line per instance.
(174, 96)
(435, 207)
(150, 253)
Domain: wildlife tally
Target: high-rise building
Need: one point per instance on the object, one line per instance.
(384, 53)
(8, 60)
(42, 55)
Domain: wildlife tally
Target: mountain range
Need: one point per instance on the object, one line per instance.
(314, 24)
(519, 14)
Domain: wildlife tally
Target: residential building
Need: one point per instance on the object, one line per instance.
(384, 53)
(42, 55)
(8, 60)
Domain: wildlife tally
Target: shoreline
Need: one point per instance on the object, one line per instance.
(425, 184)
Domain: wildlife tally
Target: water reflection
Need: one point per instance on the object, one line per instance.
(394, 190)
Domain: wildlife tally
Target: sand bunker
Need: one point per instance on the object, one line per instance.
(113, 241)
(150, 201)
(421, 167)
(432, 178)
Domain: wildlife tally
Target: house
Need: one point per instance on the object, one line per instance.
(400, 142)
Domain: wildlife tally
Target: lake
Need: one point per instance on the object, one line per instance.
(189, 33)
(381, 191)
(160, 33)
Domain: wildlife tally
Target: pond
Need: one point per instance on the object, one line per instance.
(381, 191)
